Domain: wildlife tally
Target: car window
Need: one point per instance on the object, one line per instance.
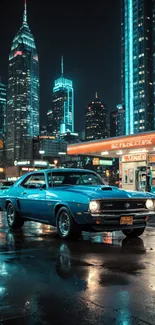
(74, 178)
(34, 181)
(6, 183)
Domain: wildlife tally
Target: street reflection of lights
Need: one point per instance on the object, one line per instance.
(2, 290)
(124, 314)
(3, 269)
(93, 278)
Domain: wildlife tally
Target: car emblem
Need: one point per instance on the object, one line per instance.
(127, 205)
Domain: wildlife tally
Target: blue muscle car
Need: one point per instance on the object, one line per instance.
(74, 200)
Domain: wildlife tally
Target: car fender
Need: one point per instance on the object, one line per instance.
(76, 210)
(61, 204)
(13, 201)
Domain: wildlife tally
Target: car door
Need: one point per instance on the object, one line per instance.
(32, 196)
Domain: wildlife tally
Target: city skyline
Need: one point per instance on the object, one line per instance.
(89, 69)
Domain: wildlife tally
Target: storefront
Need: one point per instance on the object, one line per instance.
(136, 155)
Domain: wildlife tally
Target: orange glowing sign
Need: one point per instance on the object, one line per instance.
(1, 144)
(128, 142)
(96, 161)
(130, 158)
(151, 158)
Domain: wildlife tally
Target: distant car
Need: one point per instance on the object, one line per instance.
(4, 185)
(74, 200)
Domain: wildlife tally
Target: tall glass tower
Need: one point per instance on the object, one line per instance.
(2, 107)
(22, 112)
(96, 120)
(138, 65)
(63, 105)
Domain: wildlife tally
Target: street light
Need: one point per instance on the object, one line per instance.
(55, 163)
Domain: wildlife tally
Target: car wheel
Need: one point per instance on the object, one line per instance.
(66, 226)
(13, 218)
(133, 232)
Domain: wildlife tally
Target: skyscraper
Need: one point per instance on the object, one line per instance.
(113, 124)
(117, 122)
(22, 113)
(63, 105)
(138, 64)
(120, 129)
(2, 107)
(50, 122)
(96, 120)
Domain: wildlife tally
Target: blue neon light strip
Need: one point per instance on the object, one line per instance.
(129, 96)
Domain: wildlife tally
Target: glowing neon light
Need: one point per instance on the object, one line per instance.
(129, 105)
(25, 13)
(18, 53)
(36, 57)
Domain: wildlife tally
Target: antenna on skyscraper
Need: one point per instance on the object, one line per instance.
(62, 65)
(96, 96)
(25, 12)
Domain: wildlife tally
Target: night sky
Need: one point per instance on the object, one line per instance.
(88, 35)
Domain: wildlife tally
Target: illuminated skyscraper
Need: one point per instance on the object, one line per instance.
(2, 107)
(96, 120)
(138, 65)
(63, 105)
(113, 124)
(22, 113)
(117, 122)
(50, 122)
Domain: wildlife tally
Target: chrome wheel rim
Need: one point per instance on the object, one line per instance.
(64, 224)
(10, 215)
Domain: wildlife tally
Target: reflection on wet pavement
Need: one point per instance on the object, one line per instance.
(100, 279)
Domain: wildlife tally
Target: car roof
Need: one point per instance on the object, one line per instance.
(54, 170)
(22, 178)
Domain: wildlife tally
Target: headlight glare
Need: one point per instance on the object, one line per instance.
(150, 204)
(93, 206)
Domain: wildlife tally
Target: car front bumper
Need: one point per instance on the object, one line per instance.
(111, 221)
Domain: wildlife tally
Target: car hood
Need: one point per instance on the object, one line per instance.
(109, 192)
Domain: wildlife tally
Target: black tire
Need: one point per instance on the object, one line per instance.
(73, 230)
(13, 218)
(133, 232)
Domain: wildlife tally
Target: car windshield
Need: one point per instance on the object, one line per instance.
(74, 178)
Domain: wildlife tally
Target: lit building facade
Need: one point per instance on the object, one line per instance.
(22, 112)
(117, 122)
(113, 124)
(120, 129)
(96, 120)
(2, 108)
(62, 106)
(50, 122)
(138, 65)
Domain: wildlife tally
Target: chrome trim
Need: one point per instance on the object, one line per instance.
(125, 210)
(123, 214)
(124, 199)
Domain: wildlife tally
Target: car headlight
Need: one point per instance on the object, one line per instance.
(93, 206)
(150, 204)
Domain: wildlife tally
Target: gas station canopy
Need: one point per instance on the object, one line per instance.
(116, 147)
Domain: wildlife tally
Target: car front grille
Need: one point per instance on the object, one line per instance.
(122, 205)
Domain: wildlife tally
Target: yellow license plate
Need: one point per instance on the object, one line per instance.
(126, 221)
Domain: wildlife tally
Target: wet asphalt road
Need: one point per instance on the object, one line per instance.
(100, 279)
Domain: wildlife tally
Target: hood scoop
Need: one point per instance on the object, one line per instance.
(106, 188)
